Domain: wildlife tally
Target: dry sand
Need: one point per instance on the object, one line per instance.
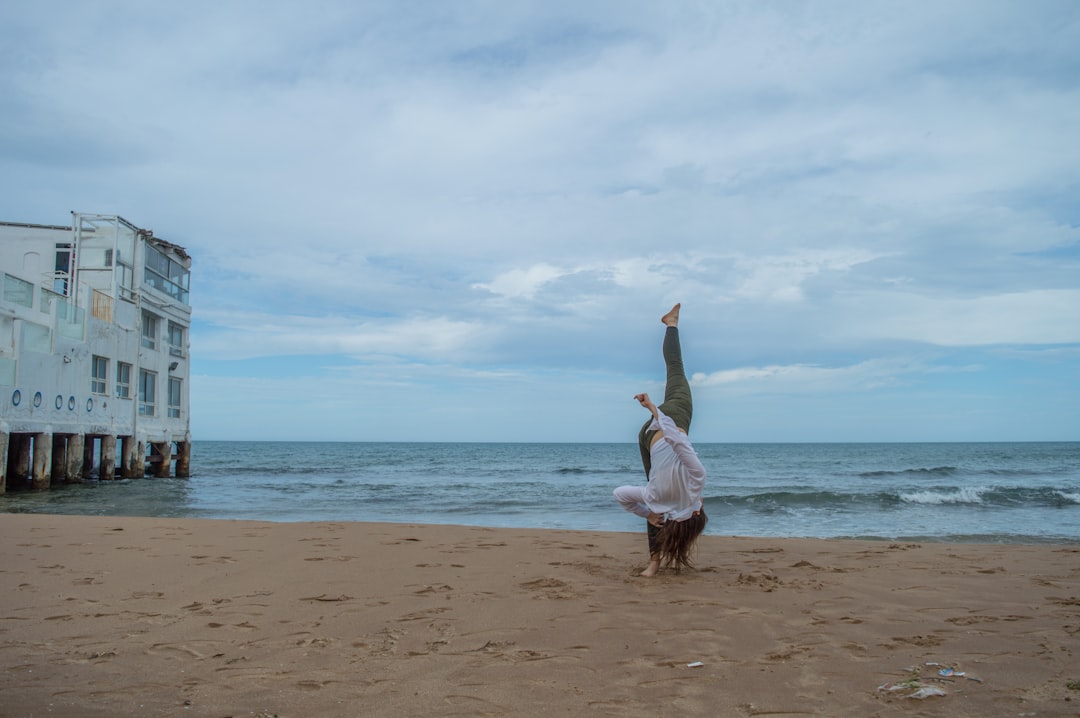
(179, 617)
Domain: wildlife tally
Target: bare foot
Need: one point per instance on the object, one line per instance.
(651, 569)
(671, 319)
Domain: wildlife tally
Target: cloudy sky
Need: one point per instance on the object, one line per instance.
(462, 220)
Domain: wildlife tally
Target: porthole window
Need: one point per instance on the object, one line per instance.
(71, 403)
(16, 397)
(89, 404)
(59, 402)
(37, 399)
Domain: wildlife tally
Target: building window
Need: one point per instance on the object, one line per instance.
(149, 330)
(147, 392)
(174, 398)
(62, 267)
(166, 274)
(123, 380)
(99, 373)
(176, 339)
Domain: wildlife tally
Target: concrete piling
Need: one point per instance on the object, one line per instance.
(41, 460)
(73, 472)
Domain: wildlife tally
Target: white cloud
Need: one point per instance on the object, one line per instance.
(1034, 317)
(249, 335)
(522, 283)
(802, 378)
(781, 278)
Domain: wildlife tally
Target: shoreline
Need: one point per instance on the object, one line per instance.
(125, 616)
(958, 539)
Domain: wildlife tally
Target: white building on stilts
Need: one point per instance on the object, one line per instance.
(94, 353)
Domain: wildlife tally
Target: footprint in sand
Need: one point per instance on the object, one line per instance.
(767, 582)
(549, 588)
(921, 641)
(421, 615)
(146, 594)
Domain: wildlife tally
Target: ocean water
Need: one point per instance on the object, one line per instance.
(976, 492)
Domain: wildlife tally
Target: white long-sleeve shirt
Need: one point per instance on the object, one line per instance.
(676, 478)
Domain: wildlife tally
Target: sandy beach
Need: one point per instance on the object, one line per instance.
(169, 617)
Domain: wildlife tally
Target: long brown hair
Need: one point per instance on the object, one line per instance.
(676, 539)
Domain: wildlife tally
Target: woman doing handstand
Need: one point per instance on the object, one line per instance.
(671, 500)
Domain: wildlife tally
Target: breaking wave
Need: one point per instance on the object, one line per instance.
(984, 496)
